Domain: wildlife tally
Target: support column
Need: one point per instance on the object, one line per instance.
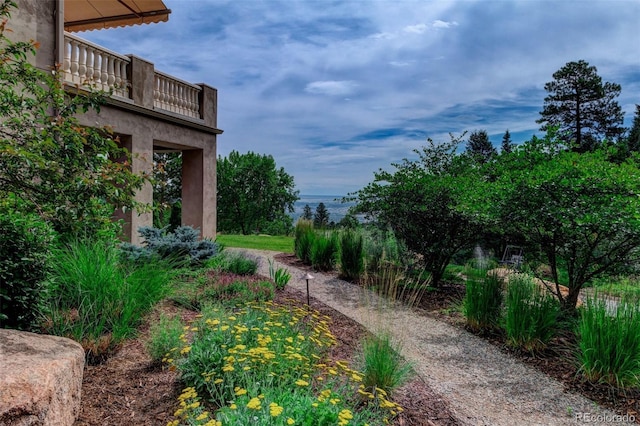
(141, 149)
(199, 189)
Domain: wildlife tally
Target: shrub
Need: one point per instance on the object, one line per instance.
(237, 262)
(25, 242)
(304, 237)
(483, 301)
(609, 342)
(324, 252)
(164, 338)
(351, 254)
(531, 314)
(383, 366)
(183, 243)
(237, 289)
(97, 301)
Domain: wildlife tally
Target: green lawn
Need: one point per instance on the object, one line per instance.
(261, 242)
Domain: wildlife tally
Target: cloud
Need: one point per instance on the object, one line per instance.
(416, 29)
(332, 88)
(443, 24)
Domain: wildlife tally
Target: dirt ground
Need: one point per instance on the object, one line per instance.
(129, 389)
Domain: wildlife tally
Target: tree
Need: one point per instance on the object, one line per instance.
(71, 176)
(253, 194)
(582, 107)
(575, 211)
(167, 188)
(321, 217)
(507, 145)
(306, 212)
(480, 147)
(633, 141)
(419, 202)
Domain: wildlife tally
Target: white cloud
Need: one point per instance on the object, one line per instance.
(444, 24)
(415, 29)
(332, 88)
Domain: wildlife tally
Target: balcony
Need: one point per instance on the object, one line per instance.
(127, 78)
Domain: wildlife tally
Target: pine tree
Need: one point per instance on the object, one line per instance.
(507, 145)
(321, 217)
(480, 147)
(306, 212)
(633, 141)
(582, 107)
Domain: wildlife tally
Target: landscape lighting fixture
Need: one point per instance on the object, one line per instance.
(307, 277)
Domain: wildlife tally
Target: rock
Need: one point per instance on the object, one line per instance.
(40, 379)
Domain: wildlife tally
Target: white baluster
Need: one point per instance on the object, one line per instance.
(104, 68)
(88, 65)
(82, 63)
(74, 61)
(96, 66)
(125, 80)
(111, 73)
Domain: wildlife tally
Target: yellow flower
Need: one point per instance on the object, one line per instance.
(233, 406)
(290, 421)
(177, 422)
(203, 416)
(218, 381)
(254, 404)
(185, 350)
(275, 410)
(228, 368)
(239, 391)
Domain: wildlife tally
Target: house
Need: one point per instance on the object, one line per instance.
(149, 110)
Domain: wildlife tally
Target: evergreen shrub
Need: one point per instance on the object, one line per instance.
(351, 254)
(324, 251)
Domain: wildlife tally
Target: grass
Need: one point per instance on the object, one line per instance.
(483, 301)
(626, 287)
(280, 243)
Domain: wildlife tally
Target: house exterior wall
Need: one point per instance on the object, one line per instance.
(141, 126)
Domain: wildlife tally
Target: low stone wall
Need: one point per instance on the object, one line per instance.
(40, 379)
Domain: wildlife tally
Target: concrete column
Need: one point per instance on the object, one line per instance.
(199, 189)
(141, 75)
(141, 149)
(208, 105)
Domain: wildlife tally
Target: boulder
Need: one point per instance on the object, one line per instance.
(40, 379)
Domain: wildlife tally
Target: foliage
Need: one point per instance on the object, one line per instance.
(419, 202)
(577, 211)
(234, 289)
(383, 368)
(479, 147)
(255, 372)
(483, 301)
(324, 251)
(164, 335)
(321, 217)
(531, 314)
(351, 254)
(633, 140)
(584, 108)
(183, 243)
(304, 237)
(306, 213)
(167, 189)
(280, 276)
(380, 247)
(236, 262)
(25, 241)
(253, 193)
(609, 342)
(97, 301)
(61, 171)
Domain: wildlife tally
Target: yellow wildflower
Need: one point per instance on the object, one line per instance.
(275, 410)
(254, 404)
(290, 421)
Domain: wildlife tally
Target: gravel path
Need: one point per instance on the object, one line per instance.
(482, 385)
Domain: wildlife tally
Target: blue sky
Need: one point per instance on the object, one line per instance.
(335, 90)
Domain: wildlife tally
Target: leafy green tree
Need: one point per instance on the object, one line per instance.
(575, 211)
(480, 147)
(307, 214)
(419, 202)
(253, 194)
(167, 188)
(582, 107)
(321, 217)
(507, 144)
(71, 176)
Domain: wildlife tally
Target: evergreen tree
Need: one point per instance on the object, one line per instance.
(582, 107)
(321, 217)
(480, 147)
(306, 212)
(633, 141)
(507, 144)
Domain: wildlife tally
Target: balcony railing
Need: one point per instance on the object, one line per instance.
(91, 66)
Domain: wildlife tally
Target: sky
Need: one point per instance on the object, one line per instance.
(336, 90)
